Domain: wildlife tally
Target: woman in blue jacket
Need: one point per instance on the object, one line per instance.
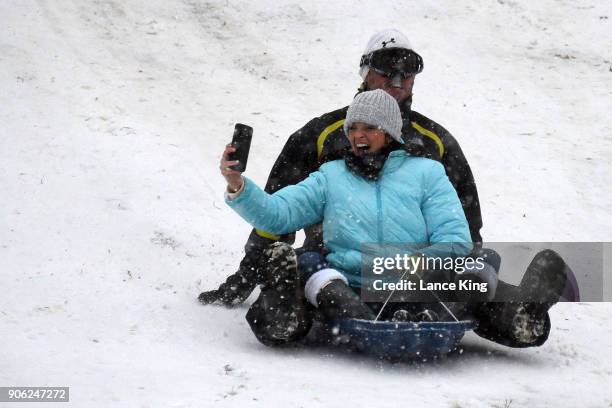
(378, 194)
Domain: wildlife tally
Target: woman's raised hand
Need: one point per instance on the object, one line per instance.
(233, 177)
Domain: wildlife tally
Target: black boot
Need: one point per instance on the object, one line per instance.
(513, 324)
(279, 315)
(427, 315)
(545, 279)
(402, 315)
(337, 300)
(525, 322)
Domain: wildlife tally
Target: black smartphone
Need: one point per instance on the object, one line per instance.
(242, 142)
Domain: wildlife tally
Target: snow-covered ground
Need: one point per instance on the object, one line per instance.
(113, 116)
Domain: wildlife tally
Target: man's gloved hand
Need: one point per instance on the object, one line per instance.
(228, 294)
(237, 287)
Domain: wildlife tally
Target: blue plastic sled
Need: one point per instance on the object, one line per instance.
(404, 340)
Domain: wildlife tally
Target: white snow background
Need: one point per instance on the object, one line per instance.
(113, 116)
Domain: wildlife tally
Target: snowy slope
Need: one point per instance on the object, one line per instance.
(113, 117)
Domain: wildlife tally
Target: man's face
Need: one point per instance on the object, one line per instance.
(374, 80)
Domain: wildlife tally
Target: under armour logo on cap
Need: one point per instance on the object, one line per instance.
(384, 43)
(390, 38)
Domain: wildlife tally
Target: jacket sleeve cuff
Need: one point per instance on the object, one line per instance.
(231, 196)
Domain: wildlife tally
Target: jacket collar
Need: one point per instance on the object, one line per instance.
(371, 167)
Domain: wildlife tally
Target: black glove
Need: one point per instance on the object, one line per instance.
(238, 287)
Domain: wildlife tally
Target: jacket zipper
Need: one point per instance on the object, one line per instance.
(379, 213)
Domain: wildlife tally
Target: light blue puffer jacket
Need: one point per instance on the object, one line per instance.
(412, 202)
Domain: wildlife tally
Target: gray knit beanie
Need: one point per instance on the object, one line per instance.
(376, 108)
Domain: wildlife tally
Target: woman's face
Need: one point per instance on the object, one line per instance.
(366, 138)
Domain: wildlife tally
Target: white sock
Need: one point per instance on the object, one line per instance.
(317, 281)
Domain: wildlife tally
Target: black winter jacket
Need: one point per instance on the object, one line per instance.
(323, 139)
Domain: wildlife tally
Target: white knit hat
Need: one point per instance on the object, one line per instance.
(376, 108)
(389, 38)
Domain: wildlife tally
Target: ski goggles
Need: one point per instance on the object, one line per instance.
(393, 61)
